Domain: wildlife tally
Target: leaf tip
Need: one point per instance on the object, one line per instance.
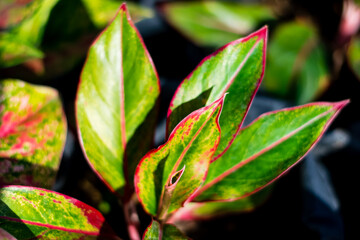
(123, 7)
(262, 32)
(221, 100)
(340, 105)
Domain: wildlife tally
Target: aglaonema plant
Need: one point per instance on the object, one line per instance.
(208, 156)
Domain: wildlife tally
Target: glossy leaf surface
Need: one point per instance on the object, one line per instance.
(116, 96)
(296, 67)
(102, 11)
(29, 213)
(236, 68)
(169, 232)
(215, 23)
(266, 149)
(190, 148)
(209, 210)
(354, 55)
(32, 133)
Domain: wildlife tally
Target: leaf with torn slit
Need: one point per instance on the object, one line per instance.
(189, 150)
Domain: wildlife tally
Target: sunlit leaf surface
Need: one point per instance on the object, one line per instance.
(265, 150)
(115, 102)
(237, 68)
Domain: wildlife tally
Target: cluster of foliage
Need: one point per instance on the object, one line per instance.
(209, 163)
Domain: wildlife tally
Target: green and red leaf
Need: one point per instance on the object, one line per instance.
(166, 232)
(265, 150)
(215, 23)
(236, 68)
(32, 134)
(29, 213)
(115, 103)
(185, 156)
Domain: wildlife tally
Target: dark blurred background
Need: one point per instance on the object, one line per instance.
(316, 199)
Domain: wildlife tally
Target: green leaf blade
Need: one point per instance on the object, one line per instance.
(118, 90)
(32, 134)
(190, 148)
(28, 212)
(297, 69)
(214, 24)
(35, 23)
(249, 166)
(21, 42)
(236, 68)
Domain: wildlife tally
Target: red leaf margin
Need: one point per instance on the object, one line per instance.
(94, 217)
(337, 106)
(262, 33)
(123, 7)
(220, 102)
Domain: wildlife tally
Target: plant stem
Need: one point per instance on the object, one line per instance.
(132, 220)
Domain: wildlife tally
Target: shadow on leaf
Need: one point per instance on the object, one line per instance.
(16, 228)
(186, 108)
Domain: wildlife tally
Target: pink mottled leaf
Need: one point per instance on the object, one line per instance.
(32, 134)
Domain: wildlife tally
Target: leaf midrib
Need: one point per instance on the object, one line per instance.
(259, 153)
